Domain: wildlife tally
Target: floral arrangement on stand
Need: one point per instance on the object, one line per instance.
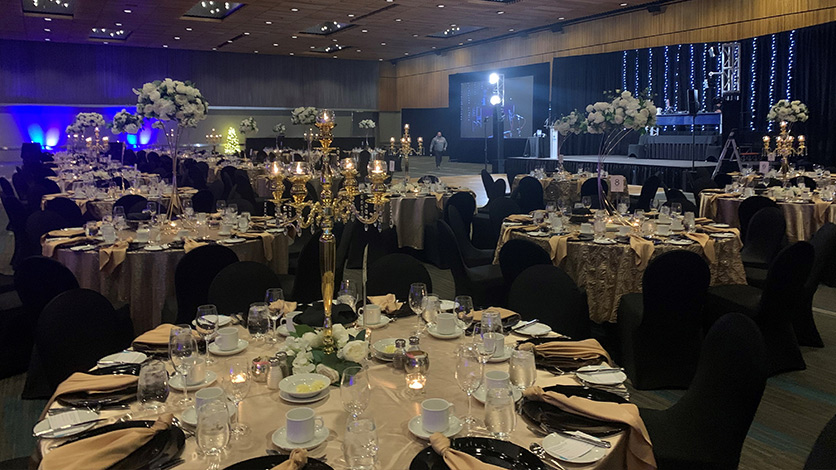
(279, 129)
(303, 115)
(179, 105)
(367, 125)
(305, 354)
(248, 126)
(125, 123)
(788, 111)
(573, 123)
(85, 121)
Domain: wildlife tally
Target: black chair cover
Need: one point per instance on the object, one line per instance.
(648, 193)
(517, 255)
(824, 244)
(193, 276)
(393, 274)
(240, 284)
(500, 208)
(66, 208)
(764, 237)
(472, 256)
(748, 208)
(529, 194)
(823, 454)
(547, 293)
(483, 283)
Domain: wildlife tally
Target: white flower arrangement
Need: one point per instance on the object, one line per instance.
(572, 123)
(248, 126)
(305, 354)
(171, 100)
(367, 124)
(125, 123)
(279, 129)
(84, 121)
(789, 111)
(303, 115)
(624, 112)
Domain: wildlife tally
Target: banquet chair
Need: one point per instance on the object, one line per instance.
(38, 190)
(77, 328)
(465, 203)
(487, 183)
(21, 184)
(483, 283)
(824, 245)
(765, 235)
(590, 188)
(648, 193)
(772, 308)
(203, 201)
(472, 256)
(500, 209)
(306, 283)
(244, 205)
(193, 276)
(130, 201)
(428, 179)
(6, 187)
(810, 183)
(217, 189)
(17, 214)
(660, 328)
(722, 179)
(240, 284)
(517, 255)
(529, 194)
(706, 428)
(823, 454)
(19, 463)
(394, 273)
(748, 208)
(66, 208)
(41, 222)
(546, 292)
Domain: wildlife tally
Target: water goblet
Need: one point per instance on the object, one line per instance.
(522, 369)
(183, 352)
(417, 302)
(348, 294)
(360, 444)
(258, 320)
(213, 433)
(237, 385)
(274, 297)
(500, 417)
(206, 325)
(469, 371)
(463, 307)
(152, 386)
(355, 390)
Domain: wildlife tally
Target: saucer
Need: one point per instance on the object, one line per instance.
(384, 320)
(221, 320)
(189, 415)
(124, 357)
(504, 357)
(481, 394)
(242, 345)
(432, 329)
(604, 378)
(319, 396)
(534, 329)
(177, 382)
(454, 426)
(280, 439)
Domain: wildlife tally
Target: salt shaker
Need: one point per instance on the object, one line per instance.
(399, 358)
(282, 358)
(274, 373)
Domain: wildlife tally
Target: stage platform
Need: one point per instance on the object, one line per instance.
(636, 170)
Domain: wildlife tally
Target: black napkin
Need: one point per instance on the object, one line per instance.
(550, 418)
(315, 315)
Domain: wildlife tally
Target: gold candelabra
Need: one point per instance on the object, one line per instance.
(406, 150)
(785, 147)
(310, 136)
(330, 207)
(96, 144)
(214, 139)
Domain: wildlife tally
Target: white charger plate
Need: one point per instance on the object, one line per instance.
(416, 427)
(594, 453)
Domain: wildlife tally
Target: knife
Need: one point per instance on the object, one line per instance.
(66, 426)
(586, 438)
(601, 371)
(519, 327)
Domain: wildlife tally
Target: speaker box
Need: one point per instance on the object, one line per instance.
(693, 97)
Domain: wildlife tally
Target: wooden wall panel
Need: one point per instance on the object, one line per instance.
(422, 81)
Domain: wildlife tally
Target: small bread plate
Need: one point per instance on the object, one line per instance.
(506, 354)
(432, 329)
(280, 439)
(588, 374)
(723, 235)
(533, 329)
(384, 320)
(124, 357)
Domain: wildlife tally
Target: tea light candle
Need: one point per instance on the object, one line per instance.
(766, 138)
(259, 369)
(415, 383)
(238, 379)
(391, 140)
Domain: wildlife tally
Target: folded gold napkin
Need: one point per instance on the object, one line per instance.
(285, 306)
(702, 220)
(158, 337)
(439, 200)
(81, 382)
(266, 239)
(639, 448)
(820, 210)
(710, 229)
(387, 303)
(706, 243)
(643, 248)
(711, 204)
(584, 350)
(503, 313)
(506, 231)
(104, 450)
(50, 245)
(110, 257)
(518, 218)
(297, 461)
(559, 246)
(455, 459)
(190, 244)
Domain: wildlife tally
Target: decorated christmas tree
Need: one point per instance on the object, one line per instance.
(231, 146)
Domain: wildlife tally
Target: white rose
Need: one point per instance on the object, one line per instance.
(619, 119)
(354, 351)
(314, 340)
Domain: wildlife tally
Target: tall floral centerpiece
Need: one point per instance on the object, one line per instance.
(303, 116)
(573, 123)
(279, 129)
(367, 125)
(174, 106)
(81, 123)
(125, 123)
(248, 126)
(615, 120)
(786, 112)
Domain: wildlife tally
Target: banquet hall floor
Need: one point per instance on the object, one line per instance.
(794, 408)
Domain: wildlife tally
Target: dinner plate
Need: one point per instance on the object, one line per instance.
(481, 394)
(604, 241)
(176, 382)
(416, 427)
(291, 385)
(539, 234)
(590, 393)
(534, 329)
(189, 415)
(550, 418)
(242, 345)
(221, 320)
(117, 369)
(83, 415)
(380, 346)
(719, 225)
(604, 378)
(432, 329)
(82, 247)
(503, 454)
(124, 357)
(155, 247)
(291, 399)
(567, 449)
(680, 242)
(279, 439)
(270, 461)
(723, 235)
(84, 400)
(384, 320)
(232, 241)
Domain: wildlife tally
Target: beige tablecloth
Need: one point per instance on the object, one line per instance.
(800, 218)
(390, 408)
(98, 208)
(411, 214)
(607, 272)
(553, 189)
(146, 279)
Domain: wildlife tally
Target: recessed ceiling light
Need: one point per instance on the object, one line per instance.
(188, 29)
(177, 38)
(453, 25)
(118, 24)
(433, 47)
(500, 12)
(335, 57)
(469, 39)
(562, 18)
(47, 39)
(246, 34)
(440, 5)
(313, 47)
(229, 41)
(406, 53)
(255, 52)
(382, 43)
(292, 53)
(47, 30)
(294, 9)
(47, 19)
(388, 1)
(461, 44)
(127, 11)
(358, 50)
(214, 48)
(415, 35)
(351, 15)
(334, 40)
(294, 37)
(398, 19)
(165, 45)
(106, 42)
(377, 59)
(364, 30)
(275, 45)
(511, 30)
(624, 4)
(268, 22)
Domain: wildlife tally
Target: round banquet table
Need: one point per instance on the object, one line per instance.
(145, 279)
(554, 189)
(98, 208)
(410, 213)
(390, 407)
(800, 216)
(606, 272)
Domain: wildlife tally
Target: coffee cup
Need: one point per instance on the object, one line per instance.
(302, 424)
(197, 374)
(287, 321)
(227, 339)
(446, 323)
(225, 229)
(586, 228)
(664, 219)
(205, 395)
(435, 414)
(663, 229)
(497, 379)
(624, 230)
(371, 314)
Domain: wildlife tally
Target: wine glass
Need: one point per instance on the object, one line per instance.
(417, 302)
(464, 310)
(213, 431)
(469, 371)
(232, 209)
(275, 305)
(355, 390)
(206, 324)
(220, 206)
(491, 329)
(500, 418)
(486, 349)
(587, 202)
(676, 209)
(182, 350)
(237, 385)
(348, 293)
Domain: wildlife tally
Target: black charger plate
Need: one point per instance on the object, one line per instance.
(117, 369)
(84, 400)
(270, 461)
(594, 394)
(500, 453)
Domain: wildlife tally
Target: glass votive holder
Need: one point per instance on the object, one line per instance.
(260, 369)
(415, 383)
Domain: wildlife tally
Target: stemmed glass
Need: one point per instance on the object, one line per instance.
(464, 310)
(213, 430)
(485, 349)
(676, 209)
(355, 390)
(417, 302)
(469, 371)
(237, 385)
(182, 350)
(348, 293)
(275, 304)
(587, 202)
(220, 206)
(206, 324)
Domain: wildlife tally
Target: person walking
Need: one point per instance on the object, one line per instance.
(437, 148)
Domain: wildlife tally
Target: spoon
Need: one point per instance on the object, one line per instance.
(540, 452)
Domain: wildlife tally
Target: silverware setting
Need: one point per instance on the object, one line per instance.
(600, 371)
(540, 452)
